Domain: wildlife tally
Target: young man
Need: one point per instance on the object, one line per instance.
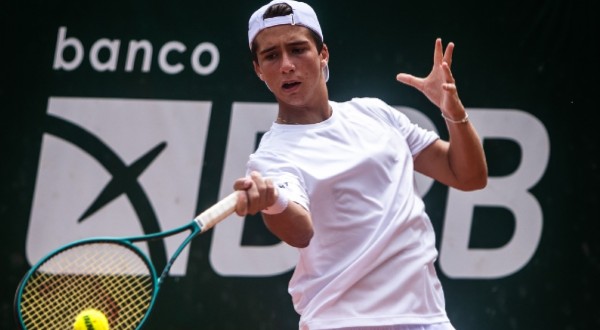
(336, 181)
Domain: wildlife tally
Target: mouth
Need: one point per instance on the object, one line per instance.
(290, 85)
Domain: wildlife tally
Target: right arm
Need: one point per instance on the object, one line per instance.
(293, 225)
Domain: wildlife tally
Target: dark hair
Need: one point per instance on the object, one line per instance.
(283, 9)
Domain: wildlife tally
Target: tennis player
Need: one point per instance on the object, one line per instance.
(336, 180)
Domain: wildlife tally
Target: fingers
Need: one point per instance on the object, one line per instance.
(438, 55)
(448, 53)
(440, 78)
(241, 208)
(242, 184)
(260, 193)
(449, 87)
(450, 84)
(263, 195)
(448, 77)
(451, 102)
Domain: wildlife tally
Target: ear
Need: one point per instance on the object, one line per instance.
(324, 56)
(257, 70)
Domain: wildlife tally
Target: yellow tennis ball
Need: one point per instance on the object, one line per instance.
(91, 319)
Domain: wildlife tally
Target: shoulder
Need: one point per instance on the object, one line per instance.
(376, 108)
(367, 105)
(368, 102)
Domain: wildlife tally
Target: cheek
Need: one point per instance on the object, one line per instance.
(268, 68)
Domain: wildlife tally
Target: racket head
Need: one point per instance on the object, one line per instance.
(110, 275)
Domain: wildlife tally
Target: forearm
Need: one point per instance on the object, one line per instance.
(466, 158)
(293, 225)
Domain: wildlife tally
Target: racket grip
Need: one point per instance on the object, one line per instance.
(216, 213)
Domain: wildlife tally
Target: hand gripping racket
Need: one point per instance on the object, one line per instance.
(111, 275)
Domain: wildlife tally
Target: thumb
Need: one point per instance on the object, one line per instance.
(409, 79)
(241, 207)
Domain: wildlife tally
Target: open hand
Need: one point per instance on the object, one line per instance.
(439, 86)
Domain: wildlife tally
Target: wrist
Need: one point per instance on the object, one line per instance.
(279, 206)
(463, 120)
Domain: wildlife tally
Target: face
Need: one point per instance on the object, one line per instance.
(288, 62)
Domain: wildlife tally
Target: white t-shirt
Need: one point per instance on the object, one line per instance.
(370, 261)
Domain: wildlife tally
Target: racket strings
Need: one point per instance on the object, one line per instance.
(107, 276)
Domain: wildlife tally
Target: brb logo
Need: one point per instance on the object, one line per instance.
(457, 259)
(122, 167)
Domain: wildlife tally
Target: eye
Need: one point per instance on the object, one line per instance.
(270, 56)
(298, 50)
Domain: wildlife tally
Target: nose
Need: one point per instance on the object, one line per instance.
(286, 63)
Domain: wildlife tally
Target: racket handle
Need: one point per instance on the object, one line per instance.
(216, 213)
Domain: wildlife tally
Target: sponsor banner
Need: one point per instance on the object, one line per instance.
(116, 167)
(122, 119)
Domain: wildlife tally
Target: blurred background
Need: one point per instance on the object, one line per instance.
(527, 70)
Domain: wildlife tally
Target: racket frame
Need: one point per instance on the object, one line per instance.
(200, 224)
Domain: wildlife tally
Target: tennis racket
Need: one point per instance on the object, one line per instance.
(110, 275)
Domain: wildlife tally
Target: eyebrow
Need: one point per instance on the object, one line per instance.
(292, 44)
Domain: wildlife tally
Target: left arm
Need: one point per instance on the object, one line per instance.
(459, 162)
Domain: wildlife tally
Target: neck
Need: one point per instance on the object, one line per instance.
(303, 116)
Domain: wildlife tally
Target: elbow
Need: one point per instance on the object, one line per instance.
(476, 182)
(300, 241)
(482, 179)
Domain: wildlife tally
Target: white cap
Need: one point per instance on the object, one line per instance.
(302, 14)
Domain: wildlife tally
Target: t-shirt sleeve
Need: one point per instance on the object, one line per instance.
(417, 138)
(285, 176)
